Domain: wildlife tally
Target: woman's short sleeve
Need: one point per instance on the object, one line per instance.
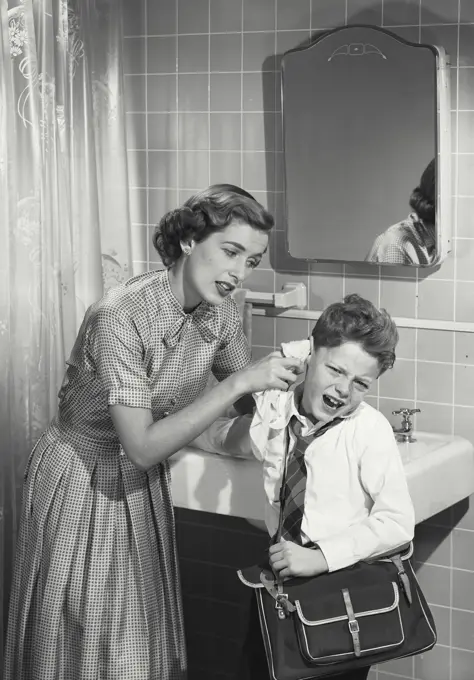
(234, 352)
(117, 352)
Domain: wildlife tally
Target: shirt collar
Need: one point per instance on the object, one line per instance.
(292, 409)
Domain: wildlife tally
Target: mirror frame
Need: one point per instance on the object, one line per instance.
(442, 147)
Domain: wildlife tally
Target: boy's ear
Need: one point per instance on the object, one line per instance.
(308, 358)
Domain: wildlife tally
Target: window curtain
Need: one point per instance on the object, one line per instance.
(64, 213)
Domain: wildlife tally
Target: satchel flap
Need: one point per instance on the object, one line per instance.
(250, 576)
(330, 607)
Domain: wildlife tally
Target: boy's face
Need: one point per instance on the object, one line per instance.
(337, 380)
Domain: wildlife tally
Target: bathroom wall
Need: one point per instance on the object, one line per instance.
(202, 104)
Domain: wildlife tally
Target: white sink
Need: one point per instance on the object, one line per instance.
(439, 469)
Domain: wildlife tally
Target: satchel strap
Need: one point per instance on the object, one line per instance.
(405, 551)
(352, 622)
(403, 577)
(275, 588)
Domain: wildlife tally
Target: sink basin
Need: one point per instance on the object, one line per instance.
(426, 443)
(217, 483)
(439, 469)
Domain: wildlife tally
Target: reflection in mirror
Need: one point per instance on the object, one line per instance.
(367, 149)
(413, 240)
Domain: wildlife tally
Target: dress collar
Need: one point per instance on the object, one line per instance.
(205, 318)
(423, 233)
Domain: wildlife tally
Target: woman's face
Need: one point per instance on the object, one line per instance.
(337, 380)
(217, 265)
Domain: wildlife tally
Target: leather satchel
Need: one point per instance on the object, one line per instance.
(318, 627)
(343, 620)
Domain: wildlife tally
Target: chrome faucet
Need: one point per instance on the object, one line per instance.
(404, 433)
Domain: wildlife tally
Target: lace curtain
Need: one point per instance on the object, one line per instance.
(64, 213)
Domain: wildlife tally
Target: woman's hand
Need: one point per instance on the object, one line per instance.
(272, 372)
(290, 559)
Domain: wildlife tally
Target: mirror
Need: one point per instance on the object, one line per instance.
(366, 141)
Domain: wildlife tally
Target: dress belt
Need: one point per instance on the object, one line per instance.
(60, 430)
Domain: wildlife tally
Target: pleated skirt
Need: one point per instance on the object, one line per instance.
(96, 591)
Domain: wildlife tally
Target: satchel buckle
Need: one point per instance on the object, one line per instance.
(275, 589)
(354, 627)
(281, 604)
(352, 622)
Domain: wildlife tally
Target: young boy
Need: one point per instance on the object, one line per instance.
(346, 491)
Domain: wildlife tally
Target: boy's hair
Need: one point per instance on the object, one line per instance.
(358, 320)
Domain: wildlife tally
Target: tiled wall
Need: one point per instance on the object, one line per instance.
(216, 604)
(202, 89)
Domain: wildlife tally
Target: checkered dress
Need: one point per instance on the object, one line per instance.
(96, 592)
(408, 242)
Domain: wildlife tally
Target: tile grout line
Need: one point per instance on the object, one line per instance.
(417, 304)
(309, 286)
(453, 415)
(242, 93)
(237, 71)
(209, 155)
(344, 266)
(274, 206)
(147, 169)
(177, 196)
(297, 30)
(310, 273)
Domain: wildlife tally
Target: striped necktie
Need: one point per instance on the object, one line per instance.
(293, 490)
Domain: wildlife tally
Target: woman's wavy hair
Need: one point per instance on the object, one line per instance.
(206, 212)
(423, 198)
(358, 320)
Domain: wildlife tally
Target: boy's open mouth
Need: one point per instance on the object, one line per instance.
(332, 403)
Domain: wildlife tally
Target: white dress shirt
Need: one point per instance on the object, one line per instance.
(357, 503)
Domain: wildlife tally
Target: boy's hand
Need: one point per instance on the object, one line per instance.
(290, 559)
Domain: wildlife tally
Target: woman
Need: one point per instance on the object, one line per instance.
(413, 240)
(96, 589)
